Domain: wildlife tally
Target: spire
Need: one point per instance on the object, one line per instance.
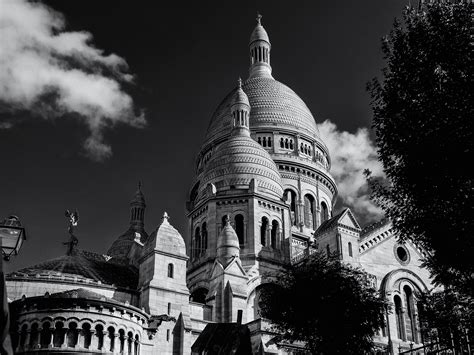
(137, 208)
(240, 110)
(259, 46)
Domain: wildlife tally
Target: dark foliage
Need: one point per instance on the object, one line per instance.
(446, 317)
(325, 304)
(423, 111)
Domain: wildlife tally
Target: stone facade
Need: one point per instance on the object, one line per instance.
(262, 198)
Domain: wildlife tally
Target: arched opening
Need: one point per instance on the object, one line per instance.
(170, 270)
(399, 318)
(349, 247)
(265, 142)
(282, 144)
(46, 335)
(199, 295)
(309, 207)
(274, 234)
(239, 228)
(204, 236)
(411, 329)
(72, 335)
(137, 344)
(121, 340)
(129, 342)
(286, 144)
(263, 231)
(34, 334)
(269, 142)
(59, 333)
(99, 333)
(324, 212)
(290, 196)
(111, 336)
(23, 335)
(197, 242)
(87, 335)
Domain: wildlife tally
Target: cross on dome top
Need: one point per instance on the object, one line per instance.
(259, 18)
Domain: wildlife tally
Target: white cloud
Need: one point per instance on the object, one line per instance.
(350, 155)
(51, 72)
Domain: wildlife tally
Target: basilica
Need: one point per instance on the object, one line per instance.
(262, 197)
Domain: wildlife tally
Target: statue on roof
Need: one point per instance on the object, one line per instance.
(73, 219)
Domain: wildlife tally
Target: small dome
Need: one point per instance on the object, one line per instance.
(166, 238)
(227, 244)
(237, 162)
(239, 97)
(259, 33)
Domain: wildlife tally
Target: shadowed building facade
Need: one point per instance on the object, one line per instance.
(262, 198)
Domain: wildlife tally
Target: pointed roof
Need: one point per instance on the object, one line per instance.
(166, 239)
(139, 197)
(239, 97)
(228, 338)
(345, 218)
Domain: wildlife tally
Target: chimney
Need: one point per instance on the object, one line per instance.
(239, 316)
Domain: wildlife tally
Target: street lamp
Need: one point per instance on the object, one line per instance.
(12, 235)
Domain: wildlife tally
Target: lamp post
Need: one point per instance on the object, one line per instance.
(12, 235)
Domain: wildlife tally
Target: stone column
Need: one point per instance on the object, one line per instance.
(107, 342)
(94, 341)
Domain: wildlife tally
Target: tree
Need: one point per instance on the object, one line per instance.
(423, 111)
(446, 317)
(324, 303)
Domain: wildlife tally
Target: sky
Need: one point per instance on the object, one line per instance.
(98, 95)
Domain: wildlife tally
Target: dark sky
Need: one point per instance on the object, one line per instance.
(187, 56)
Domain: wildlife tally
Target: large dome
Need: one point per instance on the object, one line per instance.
(236, 162)
(273, 105)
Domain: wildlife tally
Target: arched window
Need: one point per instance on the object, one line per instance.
(264, 141)
(291, 144)
(239, 228)
(72, 335)
(259, 140)
(290, 196)
(197, 242)
(204, 236)
(137, 345)
(324, 212)
(411, 329)
(263, 231)
(111, 336)
(58, 337)
(286, 143)
(301, 147)
(309, 211)
(399, 317)
(23, 335)
(86, 334)
(270, 142)
(122, 340)
(99, 333)
(170, 270)
(349, 247)
(274, 234)
(46, 335)
(34, 334)
(130, 342)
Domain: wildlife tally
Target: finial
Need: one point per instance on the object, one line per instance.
(139, 185)
(227, 220)
(166, 217)
(259, 18)
(73, 219)
(240, 82)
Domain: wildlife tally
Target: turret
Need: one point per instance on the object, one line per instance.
(240, 110)
(137, 208)
(259, 46)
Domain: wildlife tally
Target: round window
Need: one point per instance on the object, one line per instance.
(401, 252)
